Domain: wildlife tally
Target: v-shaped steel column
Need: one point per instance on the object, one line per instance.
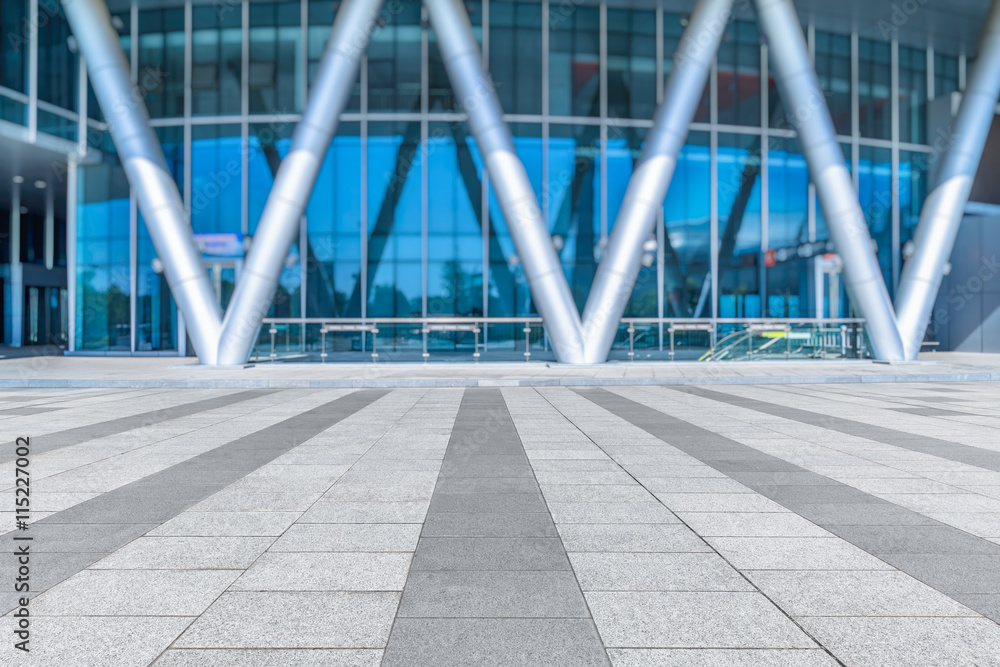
(619, 267)
(941, 215)
(293, 185)
(146, 169)
(477, 97)
(806, 109)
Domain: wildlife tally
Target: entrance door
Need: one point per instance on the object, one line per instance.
(46, 316)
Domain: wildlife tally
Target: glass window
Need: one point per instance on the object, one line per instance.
(122, 23)
(912, 95)
(103, 319)
(267, 145)
(687, 272)
(395, 281)
(321, 16)
(673, 28)
(624, 148)
(945, 74)
(913, 170)
(441, 97)
(874, 85)
(574, 191)
(833, 67)
(156, 313)
(508, 287)
(161, 61)
(574, 60)
(875, 195)
(14, 63)
(275, 57)
(394, 57)
(516, 68)
(217, 62)
(789, 276)
(739, 75)
(631, 63)
(739, 225)
(215, 178)
(58, 72)
(333, 286)
(455, 233)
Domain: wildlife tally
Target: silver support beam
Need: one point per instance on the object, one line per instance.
(279, 223)
(619, 267)
(807, 111)
(477, 97)
(943, 209)
(146, 169)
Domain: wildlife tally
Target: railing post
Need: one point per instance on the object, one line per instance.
(374, 338)
(322, 354)
(631, 341)
(475, 350)
(274, 332)
(671, 343)
(424, 331)
(527, 342)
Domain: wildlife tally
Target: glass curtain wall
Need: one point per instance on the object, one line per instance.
(404, 221)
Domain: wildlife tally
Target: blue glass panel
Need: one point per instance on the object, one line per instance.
(215, 178)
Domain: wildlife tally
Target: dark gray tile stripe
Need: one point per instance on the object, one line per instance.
(69, 541)
(73, 436)
(960, 565)
(491, 582)
(945, 449)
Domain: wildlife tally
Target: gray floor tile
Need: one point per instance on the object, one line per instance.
(270, 658)
(489, 525)
(134, 593)
(626, 657)
(496, 642)
(331, 537)
(669, 538)
(294, 620)
(489, 553)
(693, 620)
(656, 572)
(326, 572)
(794, 553)
(186, 553)
(498, 594)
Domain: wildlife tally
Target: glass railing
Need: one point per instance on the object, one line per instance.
(471, 339)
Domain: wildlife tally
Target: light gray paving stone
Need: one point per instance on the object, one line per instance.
(326, 511)
(693, 620)
(625, 657)
(331, 537)
(134, 593)
(930, 642)
(718, 502)
(387, 493)
(226, 524)
(751, 524)
(794, 553)
(326, 572)
(616, 513)
(656, 572)
(854, 593)
(498, 594)
(597, 493)
(694, 485)
(186, 553)
(294, 620)
(88, 641)
(667, 538)
(270, 658)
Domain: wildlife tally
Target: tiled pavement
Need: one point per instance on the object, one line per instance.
(627, 526)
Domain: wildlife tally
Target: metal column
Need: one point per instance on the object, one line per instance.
(293, 184)
(619, 267)
(474, 89)
(808, 114)
(146, 169)
(944, 207)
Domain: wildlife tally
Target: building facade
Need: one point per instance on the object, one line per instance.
(403, 221)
